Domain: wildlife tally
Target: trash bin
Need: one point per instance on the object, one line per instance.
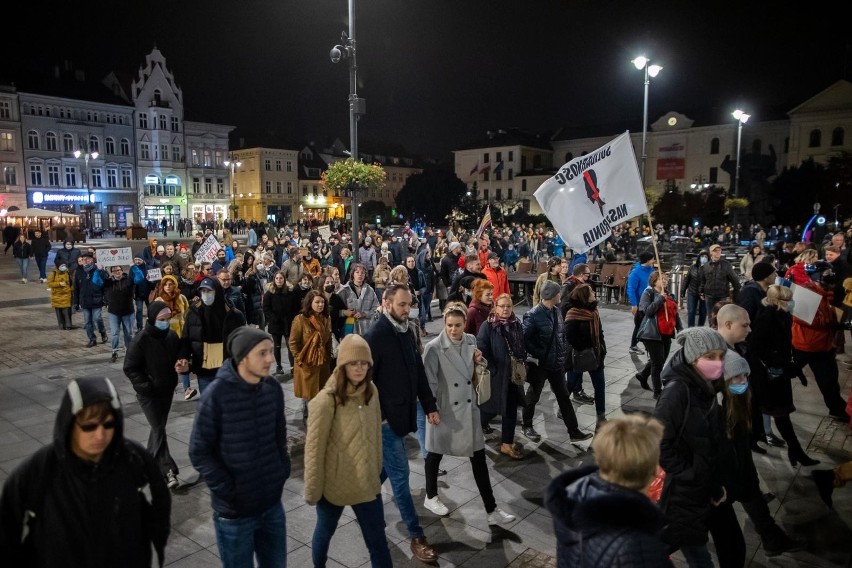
(676, 278)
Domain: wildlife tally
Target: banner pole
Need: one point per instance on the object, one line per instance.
(654, 244)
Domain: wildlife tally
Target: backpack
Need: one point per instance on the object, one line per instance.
(667, 325)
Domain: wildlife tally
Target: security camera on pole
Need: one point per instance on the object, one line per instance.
(357, 106)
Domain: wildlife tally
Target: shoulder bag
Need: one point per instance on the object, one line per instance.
(648, 330)
(584, 360)
(482, 382)
(517, 368)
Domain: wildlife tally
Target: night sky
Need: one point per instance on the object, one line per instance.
(438, 73)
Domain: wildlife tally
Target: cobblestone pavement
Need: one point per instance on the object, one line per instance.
(36, 361)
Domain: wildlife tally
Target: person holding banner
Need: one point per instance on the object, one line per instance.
(88, 295)
(657, 334)
(120, 306)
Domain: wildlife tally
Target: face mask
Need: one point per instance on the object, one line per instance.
(703, 260)
(711, 370)
(208, 298)
(63, 268)
(160, 324)
(68, 246)
(329, 288)
(737, 388)
(304, 286)
(88, 267)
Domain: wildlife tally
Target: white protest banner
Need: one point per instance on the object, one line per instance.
(153, 275)
(207, 250)
(325, 232)
(593, 193)
(805, 304)
(114, 257)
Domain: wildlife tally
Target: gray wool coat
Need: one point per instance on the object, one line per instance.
(450, 378)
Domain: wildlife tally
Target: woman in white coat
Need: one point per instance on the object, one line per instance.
(449, 360)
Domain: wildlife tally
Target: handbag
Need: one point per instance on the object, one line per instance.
(517, 368)
(584, 359)
(648, 330)
(482, 382)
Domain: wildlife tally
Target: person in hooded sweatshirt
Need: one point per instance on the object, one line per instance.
(80, 501)
(601, 514)
(150, 365)
(204, 340)
(68, 255)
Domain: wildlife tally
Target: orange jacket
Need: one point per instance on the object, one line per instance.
(499, 278)
(818, 337)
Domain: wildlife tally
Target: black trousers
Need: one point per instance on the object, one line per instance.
(156, 410)
(536, 377)
(509, 418)
(277, 343)
(63, 317)
(480, 475)
(727, 536)
(824, 366)
(637, 321)
(658, 351)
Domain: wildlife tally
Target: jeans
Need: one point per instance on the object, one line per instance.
(204, 382)
(824, 367)
(395, 468)
(23, 265)
(697, 556)
(184, 379)
(63, 316)
(371, 519)
(126, 324)
(425, 308)
(575, 380)
(263, 536)
(536, 377)
(421, 430)
(710, 301)
(139, 321)
(694, 306)
(156, 409)
(41, 262)
(90, 316)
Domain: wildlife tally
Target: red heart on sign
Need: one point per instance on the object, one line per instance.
(114, 251)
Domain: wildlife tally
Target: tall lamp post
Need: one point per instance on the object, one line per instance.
(641, 63)
(233, 165)
(89, 207)
(357, 106)
(742, 118)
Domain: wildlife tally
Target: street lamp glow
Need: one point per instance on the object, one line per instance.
(640, 62)
(643, 63)
(741, 116)
(654, 70)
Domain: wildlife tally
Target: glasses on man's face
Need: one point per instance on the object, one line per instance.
(92, 426)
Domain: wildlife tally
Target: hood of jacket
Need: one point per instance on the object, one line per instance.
(697, 261)
(79, 394)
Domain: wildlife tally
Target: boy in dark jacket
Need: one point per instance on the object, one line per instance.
(601, 515)
(118, 291)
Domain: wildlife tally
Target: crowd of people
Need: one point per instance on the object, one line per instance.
(350, 314)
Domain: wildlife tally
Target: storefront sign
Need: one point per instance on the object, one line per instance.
(114, 257)
(39, 197)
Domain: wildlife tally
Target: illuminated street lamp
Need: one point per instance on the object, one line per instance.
(742, 118)
(233, 165)
(89, 207)
(643, 62)
(699, 183)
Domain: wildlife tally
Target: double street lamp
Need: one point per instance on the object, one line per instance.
(233, 165)
(742, 118)
(89, 207)
(641, 63)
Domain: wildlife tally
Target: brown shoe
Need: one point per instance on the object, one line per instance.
(422, 550)
(512, 451)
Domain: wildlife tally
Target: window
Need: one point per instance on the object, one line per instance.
(196, 161)
(50, 141)
(714, 146)
(498, 194)
(53, 175)
(70, 176)
(485, 158)
(815, 139)
(156, 151)
(207, 159)
(125, 147)
(509, 193)
(316, 191)
(523, 163)
(175, 124)
(35, 174)
(143, 120)
(176, 153)
(289, 166)
(196, 185)
(5, 110)
(714, 175)
(277, 165)
(267, 187)
(499, 157)
(511, 155)
(537, 161)
(837, 137)
(217, 157)
(511, 174)
(220, 185)
(144, 151)
(487, 176)
(267, 165)
(7, 142)
(163, 122)
(278, 187)
(485, 194)
(110, 145)
(164, 151)
(10, 175)
(569, 156)
(126, 178)
(94, 144)
(523, 185)
(67, 143)
(304, 191)
(208, 185)
(32, 138)
(498, 175)
(112, 178)
(96, 179)
(289, 188)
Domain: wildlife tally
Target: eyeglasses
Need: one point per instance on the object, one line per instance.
(587, 274)
(108, 425)
(504, 306)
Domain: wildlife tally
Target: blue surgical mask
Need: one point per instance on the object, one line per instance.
(208, 298)
(160, 324)
(63, 268)
(738, 388)
(703, 260)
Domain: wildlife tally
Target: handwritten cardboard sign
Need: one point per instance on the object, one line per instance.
(208, 249)
(154, 274)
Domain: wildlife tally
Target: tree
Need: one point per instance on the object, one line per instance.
(431, 195)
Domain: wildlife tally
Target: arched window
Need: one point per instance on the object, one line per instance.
(94, 144)
(714, 146)
(815, 139)
(51, 141)
(837, 137)
(32, 138)
(110, 145)
(158, 97)
(125, 147)
(67, 143)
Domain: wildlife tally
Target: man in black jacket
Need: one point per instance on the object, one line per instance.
(715, 277)
(41, 249)
(449, 267)
(545, 340)
(754, 291)
(118, 291)
(400, 378)
(89, 295)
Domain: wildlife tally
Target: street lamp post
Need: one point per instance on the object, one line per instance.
(641, 63)
(699, 183)
(233, 165)
(742, 118)
(86, 156)
(357, 106)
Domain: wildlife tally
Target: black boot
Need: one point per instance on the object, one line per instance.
(777, 542)
(824, 479)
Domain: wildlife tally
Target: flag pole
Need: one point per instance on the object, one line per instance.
(653, 241)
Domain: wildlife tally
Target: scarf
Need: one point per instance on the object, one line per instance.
(591, 316)
(399, 327)
(511, 330)
(171, 300)
(314, 354)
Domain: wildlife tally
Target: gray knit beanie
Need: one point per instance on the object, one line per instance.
(735, 365)
(242, 340)
(697, 341)
(549, 290)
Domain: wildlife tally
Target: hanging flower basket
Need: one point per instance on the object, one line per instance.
(343, 174)
(736, 203)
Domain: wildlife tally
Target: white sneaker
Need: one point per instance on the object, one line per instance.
(171, 480)
(23, 280)
(500, 517)
(434, 504)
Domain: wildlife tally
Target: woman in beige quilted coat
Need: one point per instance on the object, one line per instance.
(343, 453)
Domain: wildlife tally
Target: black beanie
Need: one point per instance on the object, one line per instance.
(761, 270)
(243, 340)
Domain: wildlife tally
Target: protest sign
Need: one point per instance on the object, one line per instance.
(154, 274)
(208, 249)
(114, 257)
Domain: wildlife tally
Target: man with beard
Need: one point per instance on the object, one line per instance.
(400, 377)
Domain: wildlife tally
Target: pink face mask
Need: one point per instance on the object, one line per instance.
(710, 370)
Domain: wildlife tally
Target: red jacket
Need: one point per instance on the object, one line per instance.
(797, 274)
(818, 337)
(499, 278)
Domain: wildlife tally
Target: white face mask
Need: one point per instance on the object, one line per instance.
(208, 298)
